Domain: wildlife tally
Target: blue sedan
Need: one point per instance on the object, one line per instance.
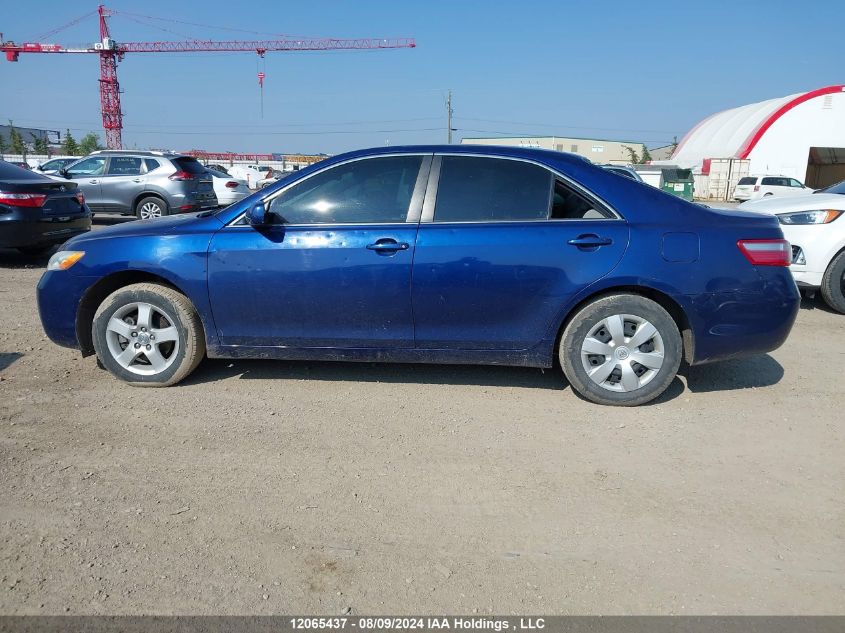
(434, 254)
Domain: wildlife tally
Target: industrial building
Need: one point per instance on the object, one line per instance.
(29, 134)
(801, 136)
(595, 149)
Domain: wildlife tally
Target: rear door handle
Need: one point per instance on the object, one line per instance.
(388, 245)
(590, 241)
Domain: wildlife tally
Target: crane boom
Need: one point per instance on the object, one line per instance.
(111, 52)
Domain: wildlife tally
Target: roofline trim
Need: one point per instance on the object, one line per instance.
(754, 138)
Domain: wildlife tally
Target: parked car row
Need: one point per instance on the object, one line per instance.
(814, 228)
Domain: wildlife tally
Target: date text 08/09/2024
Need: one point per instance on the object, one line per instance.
(418, 623)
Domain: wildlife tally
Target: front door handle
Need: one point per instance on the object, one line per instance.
(136, 180)
(93, 182)
(590, 241)
(388, 245)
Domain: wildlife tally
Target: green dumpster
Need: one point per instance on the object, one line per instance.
(679, 182)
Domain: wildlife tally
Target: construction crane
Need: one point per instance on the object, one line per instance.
(111, 52)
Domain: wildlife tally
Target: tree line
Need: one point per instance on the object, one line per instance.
(38, 144)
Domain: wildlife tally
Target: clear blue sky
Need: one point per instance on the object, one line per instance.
(645, 70)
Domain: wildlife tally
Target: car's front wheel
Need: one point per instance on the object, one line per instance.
(621, 349)
(148, 335)
(150, 208)
(833, 283)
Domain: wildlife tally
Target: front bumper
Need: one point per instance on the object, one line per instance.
(59, 294)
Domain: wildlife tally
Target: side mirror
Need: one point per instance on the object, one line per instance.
(257, 215)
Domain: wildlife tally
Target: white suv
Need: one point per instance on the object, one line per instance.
(756, 187)
(815, 227)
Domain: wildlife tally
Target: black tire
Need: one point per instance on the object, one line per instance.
(590, 317)
(171, 309)
(833, 284)
(148, 205)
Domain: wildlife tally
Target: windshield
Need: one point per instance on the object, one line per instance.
(839, 188)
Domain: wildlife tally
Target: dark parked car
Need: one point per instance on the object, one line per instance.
(37, 212)
(444, 254)
(145, 184)
(55, 165)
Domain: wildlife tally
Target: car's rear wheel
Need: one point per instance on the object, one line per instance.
(833, 283)
(621, 350)
(150, 208)
(148, 335)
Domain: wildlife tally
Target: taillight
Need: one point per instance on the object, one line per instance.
(766, 252)
(182, 175)
(22, 199)
(756, 187)
(231, 185)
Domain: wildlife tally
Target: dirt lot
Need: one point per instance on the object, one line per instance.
(273, 487)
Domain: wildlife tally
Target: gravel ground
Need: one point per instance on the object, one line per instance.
(273, 487)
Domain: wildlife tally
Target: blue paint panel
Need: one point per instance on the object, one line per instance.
(681, 248)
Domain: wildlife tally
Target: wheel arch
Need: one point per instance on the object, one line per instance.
(148, 194)
(97, 293)
(661, 298)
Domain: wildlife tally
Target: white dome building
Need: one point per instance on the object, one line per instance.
(801, 136)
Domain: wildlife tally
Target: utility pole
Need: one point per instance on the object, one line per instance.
(449, 112)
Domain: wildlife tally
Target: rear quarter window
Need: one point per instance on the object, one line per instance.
(190, 165)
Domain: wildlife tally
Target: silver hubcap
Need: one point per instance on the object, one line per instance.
(142, 338)
(150, 210)
(622, 353)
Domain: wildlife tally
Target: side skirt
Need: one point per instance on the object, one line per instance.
(537, 357)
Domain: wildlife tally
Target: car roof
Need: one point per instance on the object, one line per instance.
(506, 151)
(128, 152)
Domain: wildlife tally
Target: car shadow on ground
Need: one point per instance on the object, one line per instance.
(7, 358)
(111, 220)
(817, 303)
(747, 373)
(13, 258)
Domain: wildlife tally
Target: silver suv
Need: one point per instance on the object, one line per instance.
(146, 184)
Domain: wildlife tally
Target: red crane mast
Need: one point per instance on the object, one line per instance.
(111, 52)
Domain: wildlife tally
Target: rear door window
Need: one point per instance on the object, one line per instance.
(569, 204)
(776, 182)
(480, 189)
(125, 166)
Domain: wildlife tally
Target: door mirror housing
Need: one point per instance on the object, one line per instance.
(257, 215)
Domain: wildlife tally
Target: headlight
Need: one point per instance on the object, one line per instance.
(822, 216)
(64, 260)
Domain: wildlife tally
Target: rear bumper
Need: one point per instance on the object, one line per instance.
(17, 231)
(733, 324)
